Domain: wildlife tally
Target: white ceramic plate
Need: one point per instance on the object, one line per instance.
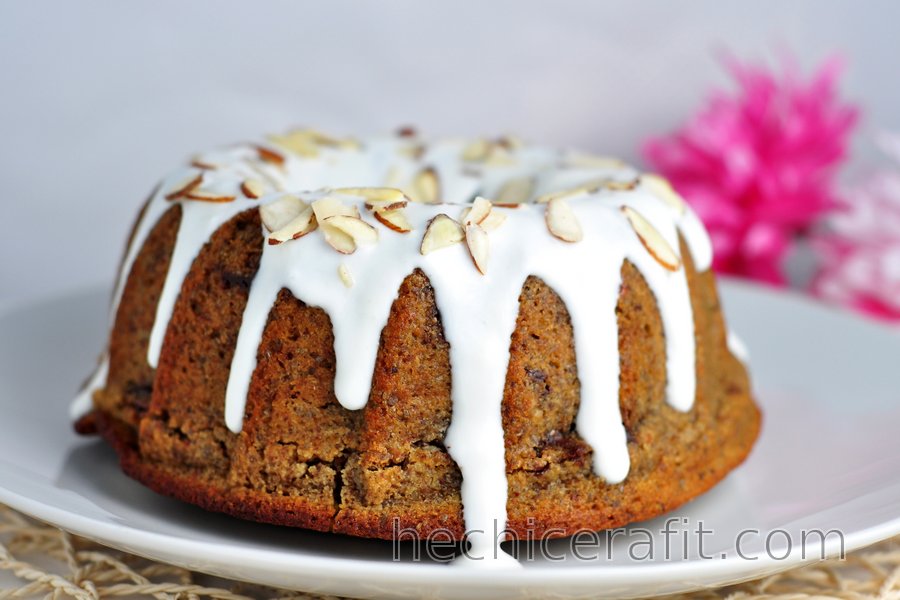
(828, 458)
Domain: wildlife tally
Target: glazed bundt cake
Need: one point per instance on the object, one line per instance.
(369, 336)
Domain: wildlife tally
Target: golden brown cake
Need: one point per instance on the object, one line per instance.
(297, 341)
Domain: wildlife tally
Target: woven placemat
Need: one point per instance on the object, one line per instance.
(50, 563)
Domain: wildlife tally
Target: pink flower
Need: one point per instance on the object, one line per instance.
(860, 252)
(758, 166)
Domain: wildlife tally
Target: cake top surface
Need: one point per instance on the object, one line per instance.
(306, 181)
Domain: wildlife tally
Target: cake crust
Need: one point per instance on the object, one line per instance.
(303, 460)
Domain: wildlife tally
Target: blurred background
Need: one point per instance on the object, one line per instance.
(100, 98)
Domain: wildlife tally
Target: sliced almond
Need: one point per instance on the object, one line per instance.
(441, 231)
(510, 142)
(621, 186)
(477, 213)
(329, 207)
(377, 198)
(297, 142)
(652, 240)
(476, 151)
(562, 222)
(378, 206)
(493, 220)
(372, 193)
(515, 191)
(208, 196)
(589, 187)
(297, 227)
(199, 163)
(278, 213)
(426, 186)
(359, 230)
(337, 239)
(270, 156)
(663, 189)
(253, 188)
(413, 151)
(477, 243)
(185, 187)
(561, 195)
(323, 139)
(318, 138)
(394, 219)
(499, 156)
(345, 275)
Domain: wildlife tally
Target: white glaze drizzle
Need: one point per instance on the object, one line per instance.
(478, 312)
(154, 209)
(737, 347)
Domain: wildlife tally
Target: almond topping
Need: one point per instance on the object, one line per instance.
(377, 198)
(185, 187)
(329, 207)
(441, 231)
(278, 213)
(296, 142)
(270, 156)
(478, 212)
(359, 230)
(297, 227)
(394, 219)
(426, 186)
(493, 221)
(378, 206)
(477, 243)
(515, 191)
(621, 186)
(589, 187)
(492, 152)
(662, 188)
(561, 195)
(323, 139)
(652, 240)
(510, 142)
(562, 222)
(345, 275)
(413, 151)
(476, 151)
(499, 157)
(253, 188)
(207, 196)
(201, 164)
(337, 239)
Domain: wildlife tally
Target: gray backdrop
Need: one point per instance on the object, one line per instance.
(100, 98)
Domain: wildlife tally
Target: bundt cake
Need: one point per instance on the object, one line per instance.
(387, 335)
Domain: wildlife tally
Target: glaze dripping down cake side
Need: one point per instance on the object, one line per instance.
(356, 336)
